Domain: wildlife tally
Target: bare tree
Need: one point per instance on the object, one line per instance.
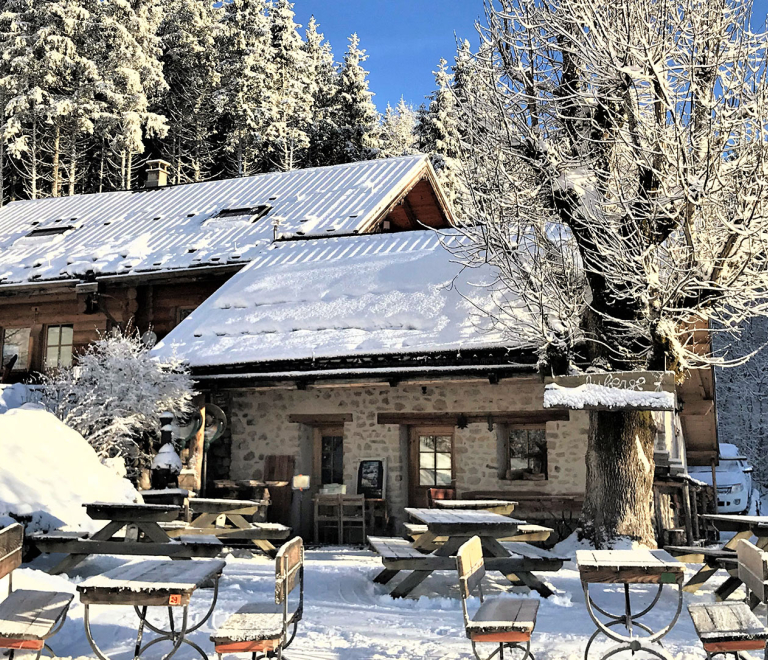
(616, 156)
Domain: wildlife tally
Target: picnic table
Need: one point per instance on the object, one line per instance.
(502, 507)
(745, 527)
(143, 536)
(153, 583)
(628, 567)
(425, 555)
(236, 528)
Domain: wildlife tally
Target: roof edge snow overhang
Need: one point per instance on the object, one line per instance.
(127, 279)
(490, 364)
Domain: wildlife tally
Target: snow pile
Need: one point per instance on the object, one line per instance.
(14, 396)
(48, 471)
(600, 396)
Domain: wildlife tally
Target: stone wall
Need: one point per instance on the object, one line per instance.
(260, 426)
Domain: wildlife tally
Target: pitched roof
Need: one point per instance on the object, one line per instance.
(132, 232)
(362, 295)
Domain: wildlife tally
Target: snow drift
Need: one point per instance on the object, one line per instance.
(48, 471)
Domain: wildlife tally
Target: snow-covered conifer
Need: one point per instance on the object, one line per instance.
(356, 115)
(290, 90)
(324, 80)
(398, 131)
(190, 65)
(247, 68)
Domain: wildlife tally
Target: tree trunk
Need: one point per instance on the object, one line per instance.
(73, 164)
(56, 153)
(619, 489)
(33, 174)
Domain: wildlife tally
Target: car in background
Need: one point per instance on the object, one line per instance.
(734, 479)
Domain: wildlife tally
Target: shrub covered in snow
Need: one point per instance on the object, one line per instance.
(49, 471)
(115, 395)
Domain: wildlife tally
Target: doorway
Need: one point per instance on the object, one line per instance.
(432, 462)
(328, 463)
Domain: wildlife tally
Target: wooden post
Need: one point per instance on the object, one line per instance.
(687, 509)
(714, 486)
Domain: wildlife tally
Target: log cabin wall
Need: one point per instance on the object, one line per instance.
(91, 309)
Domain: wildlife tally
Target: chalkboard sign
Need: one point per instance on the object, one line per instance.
(372, 478)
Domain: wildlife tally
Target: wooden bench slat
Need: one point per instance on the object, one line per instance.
(31, 615)
(252, 622)
(726, 622)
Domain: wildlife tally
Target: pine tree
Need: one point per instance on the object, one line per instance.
(50, 82)
(246, 67)
(290, 107)
(324, 80)
(356, 115)
(129, 53)
(188, 33)
(398, 131)
(439, 135)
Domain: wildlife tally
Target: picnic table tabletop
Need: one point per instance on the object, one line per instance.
(132, 512)
(465, 522)
(149, 582)
(482, 505)
(736, 520)
(628, 566)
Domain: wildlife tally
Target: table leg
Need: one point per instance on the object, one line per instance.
(711, 567)
(727, 588)
(104, 534)
(385, 576)
(266, 547)
(628, 620)
(154, 532)
(415, 578)
(205, 520)
(426, 541)
(493, 548)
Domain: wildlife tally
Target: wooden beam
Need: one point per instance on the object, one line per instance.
(320, 419)
(450, 418)
(410, 213)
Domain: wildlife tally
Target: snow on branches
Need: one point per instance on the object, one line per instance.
(115, 395)
(616, 155)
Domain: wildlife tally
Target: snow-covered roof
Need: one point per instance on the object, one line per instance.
(359, 295)
(176, 227)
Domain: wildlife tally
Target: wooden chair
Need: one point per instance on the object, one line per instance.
(352, 515)
(328, 514)
(261, 629)
(507, 622)
(27, 617)
(730, 626)
(439, 494)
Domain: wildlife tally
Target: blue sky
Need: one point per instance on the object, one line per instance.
(405, 39)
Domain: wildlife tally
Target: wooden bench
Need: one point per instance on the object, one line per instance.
(27, 617)
(185, 546)
(263, 627)
(731, 627)
(504, 621)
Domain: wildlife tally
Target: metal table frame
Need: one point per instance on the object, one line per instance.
(628, 619)
(177, 636)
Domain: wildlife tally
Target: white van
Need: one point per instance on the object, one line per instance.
(734, 479)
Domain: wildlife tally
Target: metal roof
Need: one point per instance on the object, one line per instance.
(175, 227)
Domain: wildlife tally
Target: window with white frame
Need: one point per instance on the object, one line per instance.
(58, 346)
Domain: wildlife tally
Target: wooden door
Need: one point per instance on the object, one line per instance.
(431, 464)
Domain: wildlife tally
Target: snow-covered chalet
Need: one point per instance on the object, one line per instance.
(325, 311)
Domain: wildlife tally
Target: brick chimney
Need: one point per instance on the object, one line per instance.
(157, 173)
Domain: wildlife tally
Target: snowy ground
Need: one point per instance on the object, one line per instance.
(348, 617)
